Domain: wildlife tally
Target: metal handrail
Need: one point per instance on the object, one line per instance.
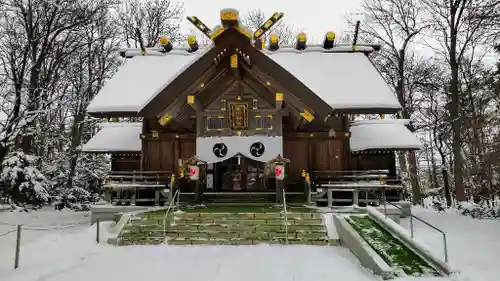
(286, 216)
(176, 195)
(445, 243)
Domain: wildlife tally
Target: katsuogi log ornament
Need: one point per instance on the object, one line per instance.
(301, 43)
(165, 44)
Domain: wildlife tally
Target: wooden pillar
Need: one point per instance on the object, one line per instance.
(280, 185)
(176, 154)
(346, 143)
(133, 196)
(329, 195)
(157, 197)
(355, 197)
(197, 193)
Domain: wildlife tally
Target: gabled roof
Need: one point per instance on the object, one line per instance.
(383, 134)
(115, 137)
(343, 80)
(140, 80)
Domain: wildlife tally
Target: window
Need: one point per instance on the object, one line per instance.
(217, 123)
(263, 122)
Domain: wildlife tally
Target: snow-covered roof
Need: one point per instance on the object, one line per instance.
(115, 137)
(140, 79)
(382, 134)
(343, 80)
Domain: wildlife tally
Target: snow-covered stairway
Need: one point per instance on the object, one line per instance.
(237, 225)
(247, 228)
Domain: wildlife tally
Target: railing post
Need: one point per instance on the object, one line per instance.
(445, 248)
(411, 225)
(286, 217)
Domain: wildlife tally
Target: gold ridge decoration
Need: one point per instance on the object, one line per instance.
(301, 43)
(199, 25)
(273, 42)
(192, 43)
(279, 96)
(329, 40)
(234, 61)
(165, 44)
(308, 116)
(229, 15)
(243, 31)
(218, 31)
(267, 25)
(165, 119)
(190, 99)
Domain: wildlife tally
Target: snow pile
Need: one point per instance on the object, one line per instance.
(22, 180)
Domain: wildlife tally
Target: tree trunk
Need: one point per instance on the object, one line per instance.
(415, 186)
(76, 135)
(455, 111)
(447, 193)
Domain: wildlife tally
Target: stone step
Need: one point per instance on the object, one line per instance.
(228, 221)
(140, 240)
(237, 227)
(210, 216)
(246, 235)
(239, 241)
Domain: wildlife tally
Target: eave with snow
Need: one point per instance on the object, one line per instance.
(236, 101)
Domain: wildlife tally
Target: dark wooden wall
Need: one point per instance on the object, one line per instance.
(314, 153)
(125, 162)
(163, 154)
(374, 161)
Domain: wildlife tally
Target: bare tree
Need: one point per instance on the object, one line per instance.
(152, 18)
(91, 66)
(396, 23)
(45, 34)
(458, 25)
(256, 17)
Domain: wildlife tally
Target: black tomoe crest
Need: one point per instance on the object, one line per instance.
(257, 149)
(220, 150)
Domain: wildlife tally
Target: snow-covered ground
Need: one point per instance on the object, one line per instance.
(73, 254)
(473, 245)
(39, 227)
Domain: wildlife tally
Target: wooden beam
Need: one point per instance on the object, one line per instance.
(215, 91)
(178, 108)
(259, 90)
(288, 98)
(195, 74)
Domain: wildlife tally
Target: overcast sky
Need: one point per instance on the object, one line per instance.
(314, 17)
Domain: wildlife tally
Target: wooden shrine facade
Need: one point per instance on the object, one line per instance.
(235, 105)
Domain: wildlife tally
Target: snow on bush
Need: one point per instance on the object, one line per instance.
(480, 210)
(22, 181)
(86, 184)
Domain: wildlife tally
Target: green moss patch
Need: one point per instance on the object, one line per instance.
(394, 253)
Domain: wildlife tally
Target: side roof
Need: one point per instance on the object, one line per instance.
(384, 134)
(115, 137)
